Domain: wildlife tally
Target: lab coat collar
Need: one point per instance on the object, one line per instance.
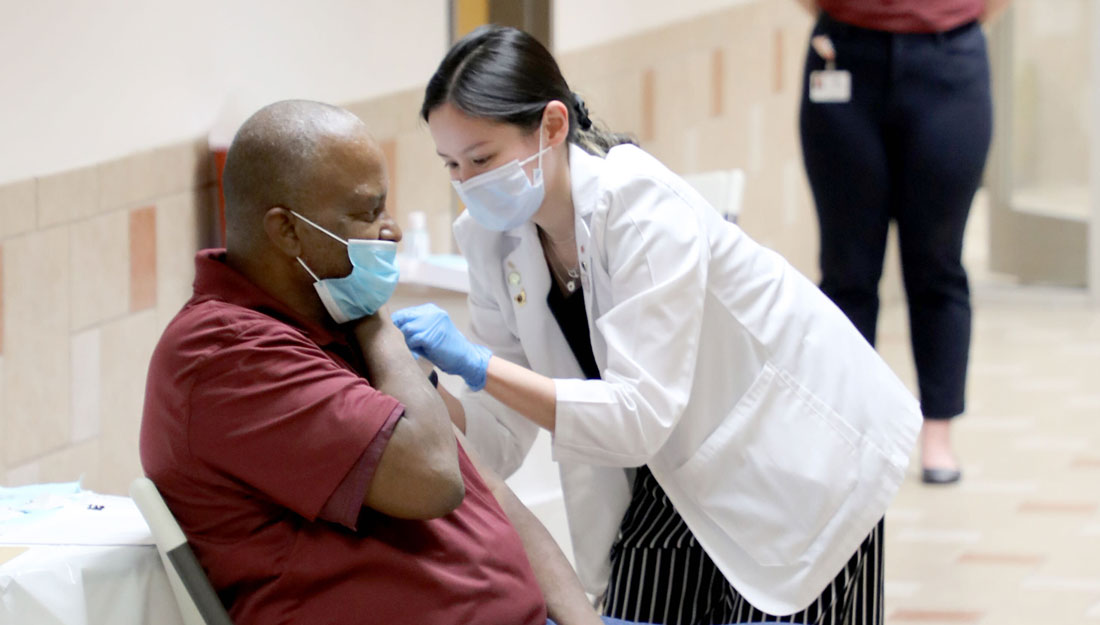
(545, 345)
(528, 280)
(584, 178)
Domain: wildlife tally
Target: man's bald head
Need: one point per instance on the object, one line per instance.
(280, 157)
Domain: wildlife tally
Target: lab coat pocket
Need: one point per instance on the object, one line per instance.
(775, 471)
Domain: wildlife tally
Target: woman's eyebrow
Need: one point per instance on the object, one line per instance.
(465, 150)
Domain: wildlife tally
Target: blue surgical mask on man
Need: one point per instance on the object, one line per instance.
(370, 284)
(504, 198)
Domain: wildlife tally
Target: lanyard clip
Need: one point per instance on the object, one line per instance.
(823, 45)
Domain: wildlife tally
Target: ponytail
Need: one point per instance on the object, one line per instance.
(595, 138)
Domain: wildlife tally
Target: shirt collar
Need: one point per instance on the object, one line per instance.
(216, 280)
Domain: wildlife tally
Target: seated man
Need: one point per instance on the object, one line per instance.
(309, 460)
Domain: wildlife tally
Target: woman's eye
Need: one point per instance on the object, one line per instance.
(450, 165)
(480, 161)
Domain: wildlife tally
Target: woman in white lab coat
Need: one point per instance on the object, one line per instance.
(728, 442)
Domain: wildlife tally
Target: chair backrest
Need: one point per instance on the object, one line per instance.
(722, 188)
(198, 602)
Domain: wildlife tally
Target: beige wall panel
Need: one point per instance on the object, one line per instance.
(390, 115)
(100, 269)
(68, 195)
(86, 384)
(178, 226)
(721, 143)
(614, 100)
(26, 473)
(3, 421)
(424, 185)
(36, 343)
(18, 208)
(180, 167)
(127, 345)
(76, 462)
(128, 181)
(682, 92)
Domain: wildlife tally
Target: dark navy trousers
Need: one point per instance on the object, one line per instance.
(910, 148)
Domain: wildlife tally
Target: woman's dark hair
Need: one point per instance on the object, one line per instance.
(506, 75)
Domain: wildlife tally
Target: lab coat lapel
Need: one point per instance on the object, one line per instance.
(528, 281)
(587, 489)
(584, 170)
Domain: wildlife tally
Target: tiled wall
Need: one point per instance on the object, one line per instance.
(717, 92)
(96, 261)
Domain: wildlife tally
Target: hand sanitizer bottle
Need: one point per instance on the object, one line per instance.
(420, 244)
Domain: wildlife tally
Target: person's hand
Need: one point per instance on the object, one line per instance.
(430, 333)
(823, 45)
(810, 5)
(993, 10)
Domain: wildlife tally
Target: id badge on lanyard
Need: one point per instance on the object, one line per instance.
(829, 85)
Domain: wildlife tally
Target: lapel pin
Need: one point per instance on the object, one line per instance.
(521, 297)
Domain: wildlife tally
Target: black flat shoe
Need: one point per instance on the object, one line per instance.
(940, 476)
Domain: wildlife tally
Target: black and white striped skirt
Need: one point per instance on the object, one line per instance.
(660, 574)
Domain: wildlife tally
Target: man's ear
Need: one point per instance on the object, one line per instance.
(555, 122)
(279, 227)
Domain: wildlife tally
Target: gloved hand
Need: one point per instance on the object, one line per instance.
(430, 333)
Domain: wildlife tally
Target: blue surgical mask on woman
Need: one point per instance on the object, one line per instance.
(370, 284)
(504, 198)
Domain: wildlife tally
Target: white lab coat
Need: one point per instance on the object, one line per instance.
(775, 429)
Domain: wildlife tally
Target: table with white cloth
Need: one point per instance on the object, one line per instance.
(73, 557)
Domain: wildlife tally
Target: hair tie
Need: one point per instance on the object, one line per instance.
(583, 121)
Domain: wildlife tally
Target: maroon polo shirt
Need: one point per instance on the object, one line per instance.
(262, 432)
(904, 16)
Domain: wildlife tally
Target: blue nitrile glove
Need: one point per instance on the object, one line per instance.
(429, 332)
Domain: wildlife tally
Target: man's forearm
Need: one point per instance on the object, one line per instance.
(418, 474)
(566, 601)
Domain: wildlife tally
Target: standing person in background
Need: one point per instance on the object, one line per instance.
(896, 122)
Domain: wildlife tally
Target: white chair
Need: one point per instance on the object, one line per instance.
(722, 188)
(198, 603)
